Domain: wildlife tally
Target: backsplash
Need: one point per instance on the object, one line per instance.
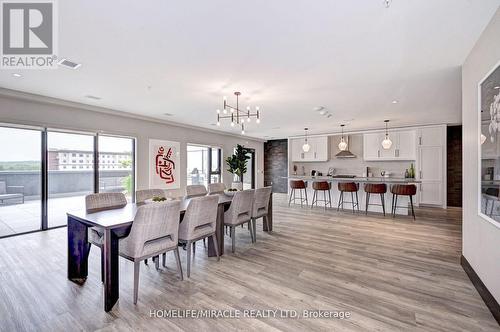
(352, 166)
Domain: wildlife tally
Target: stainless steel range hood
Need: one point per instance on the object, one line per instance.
(346, 153)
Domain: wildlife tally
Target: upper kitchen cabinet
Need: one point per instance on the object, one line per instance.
(403, 146)
(317, 152)
(431, 136)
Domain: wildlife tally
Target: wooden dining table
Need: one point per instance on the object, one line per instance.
(115, 224)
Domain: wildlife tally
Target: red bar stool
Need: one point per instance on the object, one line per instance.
(375, 188)
(300, 185)
(349, 187)
(324, 187)
(403, 190)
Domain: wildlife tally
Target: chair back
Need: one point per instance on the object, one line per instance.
(240, 210)
(3, 187)
(376, 188)
(155, 230)
(321, 185)
(195, 190)
(142, 195)
(200, 218)
(348, 186)
(104, 201)
(216, 188)
(297, 184)
(404, 189)
(261, 202)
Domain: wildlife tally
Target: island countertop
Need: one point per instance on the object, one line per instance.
(379, 179)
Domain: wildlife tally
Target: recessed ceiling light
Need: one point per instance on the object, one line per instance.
(93, 97)
(394, 101)
(319, 108)
(69, 64)
(17, 75)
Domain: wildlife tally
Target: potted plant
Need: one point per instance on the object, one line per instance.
(237, 165)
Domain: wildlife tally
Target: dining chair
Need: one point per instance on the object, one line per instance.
(154, 231)
(216, 188)
(142, 195)
(239, 213)
(199, 223)
(98, 202)
(195, 190)
(260, 208)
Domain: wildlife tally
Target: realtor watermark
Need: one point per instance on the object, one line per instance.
(29, 34)
(248, 313)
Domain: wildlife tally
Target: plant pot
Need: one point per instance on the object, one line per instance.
(237, 185)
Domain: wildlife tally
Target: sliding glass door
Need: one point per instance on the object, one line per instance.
(116, 165)
(70, 174)
(203, 165)
(20, 180)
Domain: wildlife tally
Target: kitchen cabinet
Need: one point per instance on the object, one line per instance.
(431, 165)
(403, 146)
(317, 152)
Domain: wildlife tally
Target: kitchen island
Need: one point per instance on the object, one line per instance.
(403, 201)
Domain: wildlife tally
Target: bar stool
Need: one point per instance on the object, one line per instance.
(375, 188)
(403, 190)
(300, 185)
(348, 187)
(324, 187)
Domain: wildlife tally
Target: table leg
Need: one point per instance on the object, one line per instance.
(269, 216)
(111, 283)
(78, 250)
(219, 234)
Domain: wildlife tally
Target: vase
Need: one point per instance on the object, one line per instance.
(237, 185)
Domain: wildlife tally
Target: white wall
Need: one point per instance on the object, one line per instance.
(481, 239)
(60, 115)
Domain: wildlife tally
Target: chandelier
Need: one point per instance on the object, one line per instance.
(237, 115)
(494, 126)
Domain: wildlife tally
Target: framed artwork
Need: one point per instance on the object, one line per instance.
(489, 142)
(164, 164)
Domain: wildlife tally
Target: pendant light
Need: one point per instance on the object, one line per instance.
(386, 143)
(306, 147)
(342, 144)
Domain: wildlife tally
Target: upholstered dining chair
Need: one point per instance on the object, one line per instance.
(195, 190)
(260, 208)
(97, 202)
(142, 195)
(154, 232)
(239, 213)
(216, 188)
(199, 223)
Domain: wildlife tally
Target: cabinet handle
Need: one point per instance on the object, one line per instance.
(421, 185)
(302, 155)
(396, 153)
(314, 155)
(420, 174)
(378, 153)
(420, 140)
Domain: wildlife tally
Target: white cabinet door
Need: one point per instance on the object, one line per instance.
(431, 174)
(371, 147)
(405, 147)
(296, 148)
(431, 136)
(319, 145)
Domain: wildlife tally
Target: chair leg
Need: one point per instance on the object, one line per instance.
(267, 223)
(188, 251)
(290, 199)
(233, 238)
(194, 247)
(157, 262)
(412, 211)
(330, 198)
(216, 246)
(305, 192)
(341, 197)
(102, 264)
(250, 229)
(137, 266)
(301, 202)
(382, 198)
(392, 206)
(145, 262)
(352, 202)
(204, 243)
(357, 201)
(254, 230)
(164, 260)
(395, 206)
(314, 195)
(367, 203)
(178, 261)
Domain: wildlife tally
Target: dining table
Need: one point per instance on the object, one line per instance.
(114, 224)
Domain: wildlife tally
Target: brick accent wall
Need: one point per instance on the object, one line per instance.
(276, 164)
(454, 166)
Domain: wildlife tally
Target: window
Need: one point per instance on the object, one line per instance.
(20, 178)
(115, 179)
(203, 165)
(67, 190)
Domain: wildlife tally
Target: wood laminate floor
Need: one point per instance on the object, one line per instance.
(390, 274)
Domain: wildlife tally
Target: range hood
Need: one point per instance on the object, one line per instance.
(346, 153)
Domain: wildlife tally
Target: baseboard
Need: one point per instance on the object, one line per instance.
(488, 299)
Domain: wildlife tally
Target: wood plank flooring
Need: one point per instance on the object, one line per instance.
(390, 274)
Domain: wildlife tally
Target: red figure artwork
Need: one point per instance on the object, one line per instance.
(165, 165)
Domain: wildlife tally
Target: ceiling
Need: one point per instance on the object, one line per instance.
(288, 57)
